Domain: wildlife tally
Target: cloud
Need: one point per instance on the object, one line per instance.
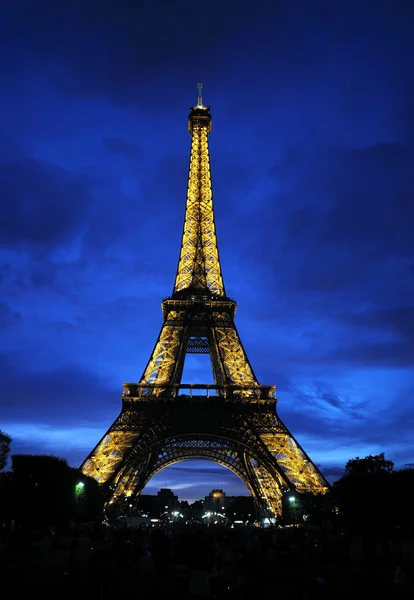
(74, 443)
(43, 204)
(372, 189)
(187, 467)
(398, 320)
(360, 216)
(122, 147)
(113, 51)
(62, 395)
(363, 425)
(9, 318)
(395, 323)
(333, 473)
(119, 52)
(324, 394)
(380, 354)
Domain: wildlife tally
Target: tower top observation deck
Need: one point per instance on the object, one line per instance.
(199, 114)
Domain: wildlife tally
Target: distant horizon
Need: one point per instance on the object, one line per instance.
(202, 475)
(190, 501)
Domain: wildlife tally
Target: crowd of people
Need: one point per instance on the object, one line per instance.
(105, 563)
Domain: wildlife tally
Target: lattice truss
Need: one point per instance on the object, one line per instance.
(199, 265)
(270, 492)
(232, 353)
(295, 463)
(164, 357)
(109, 453)
(297, 467)
(229, 360)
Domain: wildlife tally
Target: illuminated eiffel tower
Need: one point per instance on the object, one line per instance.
(232, 422)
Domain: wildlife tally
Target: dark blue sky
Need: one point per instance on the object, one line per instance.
(312, 153)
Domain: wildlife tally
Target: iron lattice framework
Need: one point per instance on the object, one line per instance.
(233, 422)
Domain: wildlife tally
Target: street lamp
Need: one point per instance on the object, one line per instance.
(79, 488)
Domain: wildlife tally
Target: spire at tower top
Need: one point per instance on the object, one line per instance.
(200, 97)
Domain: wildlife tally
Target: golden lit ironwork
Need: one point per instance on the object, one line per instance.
(199, 265)
(232, 422)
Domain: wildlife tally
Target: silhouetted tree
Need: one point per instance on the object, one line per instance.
(5, 441)
(317, 509)
(369, 464)
(402, 498)
(365, 495)
(45, 489)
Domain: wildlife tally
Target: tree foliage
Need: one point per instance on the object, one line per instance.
(372, 496)
(5, 441)
(369, 464)
(316, 509)
(45, 489)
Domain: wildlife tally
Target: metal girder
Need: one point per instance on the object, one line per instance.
(198, 345)
(229, 360)
(164, 358)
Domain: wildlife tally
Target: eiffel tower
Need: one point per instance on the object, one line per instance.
(232, 422)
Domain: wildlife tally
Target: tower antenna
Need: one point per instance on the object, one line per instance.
(200, 96)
